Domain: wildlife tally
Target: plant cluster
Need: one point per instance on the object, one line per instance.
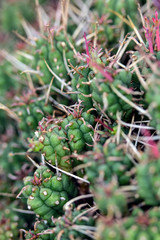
(80, 121)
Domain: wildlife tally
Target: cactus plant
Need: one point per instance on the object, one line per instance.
(48, 192)
(88, 122)
(57, 141)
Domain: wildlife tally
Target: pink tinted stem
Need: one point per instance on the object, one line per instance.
(101, 70)
(156, 23)
(87, 48)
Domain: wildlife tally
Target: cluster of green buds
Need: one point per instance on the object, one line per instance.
(6, 81)
(41, 232)
(148, 179)
(107, 161)
(103, 87)
(30, 111)
(113, 17)
(76, 223)
(152, 98)
(109, 199)
(111, 101)
(99, 150)
(58, 139)
(140, 225)
(8, 229)
(47, 192)
(8, 223)
(95, 91)
(81, 87)
(49, 56)
(109, 229)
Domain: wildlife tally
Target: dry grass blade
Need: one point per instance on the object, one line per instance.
(85, 232)
(84, 212)
(10, 112)
(58, 78)
(48, 91)
(140, 78)
(121, 17)
(133, 148)
(65, 63)
(136, 126)
(66, 206)
(136, 31)
(4, 194)
(23, 211)
(24, 39)
(67, 173)
(32, 161)
(64, 9)
(17, 64)
(40, 19)
(125, 99)
(30, 31)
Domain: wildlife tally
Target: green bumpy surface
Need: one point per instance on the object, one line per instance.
(143, 225)
(8, 230)
(109, 161)
(139, 226)
(47, 192)
(109, 199)
(59, 140)
(37, 233)
(153, 99)
(8, 224)
(79, 83)
(112, 29)
(96, 92)
(103, 95)
(54, 56)
(30, 114)
(149, 182)
(109, 230)
(67, 222)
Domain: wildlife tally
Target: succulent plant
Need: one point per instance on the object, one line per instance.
(152, 98)
(110, 102)
(54, 52)
(108, 228)
(40, 232)
(8, 229)
(47, 192)
(148, 181)
(73, 224)
(110, 200)
(110, 20)
(143, 225)
(95, 90)
(80, 84)
(139, 225)
(30, 113)
(8, 223)
(107, 161)
(101, 178)
(58, 140)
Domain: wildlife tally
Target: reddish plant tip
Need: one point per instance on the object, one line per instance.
(87, 48)
(148, 34)
(103, 124)
(36, 181)
(153, 145)
(156, 22)
(39, 124)
(103, 71)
